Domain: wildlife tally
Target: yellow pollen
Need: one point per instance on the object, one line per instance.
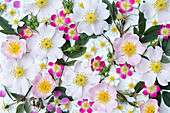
(28, 32)
(15, 21)
(125, 5)
(72, 32)
(45, 44)
(42, 65)
(44, 20)
(93, 49)
(137, 1)
(44, 86)
(149, 108)
(165, 32)
(119, 107)
(113, 29)
(41, 3)
(3, 108)
(103, 96)
(124, 70)
(56, 67)
(102, 44)
(12, 12)
(90, 17)
(3, 6)
(131, 85)
(59, 20)
(86, 55)
(56, 101)
(96, 64)
(154, 22)
(86, 105)
(66, 105)
(161, 5)
(128, 48)
(151, 89)
(80, 79)
(18, 71)
(14, 48)
(81, 5)
(155, 66)
(119, 16)
(111, 78)
(130, 111)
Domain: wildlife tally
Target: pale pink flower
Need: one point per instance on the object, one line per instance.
(97, 64)
(128, 49)
(56, 68)
(151, 106)
(125, 5)
(153, 68)
(104, 97)
(26, 32)
(43, 86)
(13, 47)
(152, 90)
(86, 106)
(164, 31)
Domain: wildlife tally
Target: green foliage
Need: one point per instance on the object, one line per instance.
(142, 23)
(26, 107)
(166, 98)
(138, 87)
(20, 108)
(165, 59)
(16, 95)
(166, 46)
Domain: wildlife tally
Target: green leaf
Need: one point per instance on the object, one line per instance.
(142, 23)
(20, 108)
(158, 98)
(24, 20)
(150, 34)
(61, 62)
(166, 98)
(77, 53)
(16, 95)
(138, 87)
(7, 29)
(165, 59)
(71, 63)
(136, 31)
(8, 93)
(26, 107)
(166, 46)
(65, 47)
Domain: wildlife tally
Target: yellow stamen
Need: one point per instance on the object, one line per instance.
(155, 66)
(15, 21)
(42, 65)
(90, 17)
(86, 105)
(119, 107)
(45, 44)
(27, 32)
(12, 12)
(3, 6)
(18, 71)
(44, 86)
(41, 3)
(81, 5)
(14, 48)
(57, 101)
(151, 89)
(103, 96)
(111, 78)
(56, 67)
(161, 5)
(129, 48)
(125, 5)
(149, 108)
(86, 55)
(131, 86)
(80, 79)
(154, 22)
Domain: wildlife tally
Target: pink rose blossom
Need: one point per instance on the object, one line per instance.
(55, 69)
(125, 5)
(97, 64)
(26, 32)
(164, 31)
(17, 4)
(71, 32)
(85, 106)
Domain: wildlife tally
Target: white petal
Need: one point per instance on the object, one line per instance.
(77, 14)
(54, 54)
(90, 4)
(46, 31)
(102, 12)
(58, 39)
(143, 66)
(99, 27)
(154, 54)
(163, 77)
(26, 60)
(149, 78)
(68, 75)
(85, 28)
(7, 79)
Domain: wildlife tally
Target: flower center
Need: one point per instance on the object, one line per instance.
(81, 5)
(149, 108)
(42, 65)
(80, 79)
(56, 67)
(18, 71)
(44, 86)
(93, 49)
(130, 111)
(12, 12)
(45, 44)
(102, 44)
(112, 78)
(59, 20)
(15, 21)
(154, 22)
(113, 29)
(103, 96)
(41, 3)
(155, 66)
(125, 5)
(86, 105)
(165, 32)
(66, 105)
(3, 6)
(131, 86)
(151, 89)
(96, 64)
(72, 32)
(128, 48)
(119, 107)
(56, 101)
(124, 69)
(161, 5)
(90, 17)
(14, 48)
(27, 32)
(86, 55)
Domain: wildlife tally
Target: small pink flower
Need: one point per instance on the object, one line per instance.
(43, 86)
(85, 106)
(124, 70)
(60, 20)
(97, 64)
(164, 31)
(152, 90)
(17, 4)
(71, 32)
(26, 32)
(55, 69)
(151, 106)
(125, 5)
(2, 93)
(104, 97)
(14, 47)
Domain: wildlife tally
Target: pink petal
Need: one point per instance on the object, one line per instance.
(129, 73)
(165, 37)
(53, 24)
(85, 100)
(98, 58)
(89, 110)
(92, 68)
(167, 26)
(79, 103)
(61, 27)
(130, 9)
(129, 66)
(157, 88)
(131, 2)
(122, 11)
(118, 70)
(102, 63)
(2, 93)
(91, 103)
(8, 0)
(99, 69)
(154, 94)
(92, 60)
(24, 37)
(118, 4)
(61, 14)
(57, 94)
(58, 110)
(75, 38)
(146, 92)
(144, 86)
(64, 101)
(61, 67)
(53, 17)
(50, 63)
(66, 30)
(82, 110)
(51, 71)
(50, 107)
(17, 4)
(123, 76)
(67, 20)
(73, 26)
(161, 26)
(67, 37)
(58, 74)
(159, 32)
(22, 33)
